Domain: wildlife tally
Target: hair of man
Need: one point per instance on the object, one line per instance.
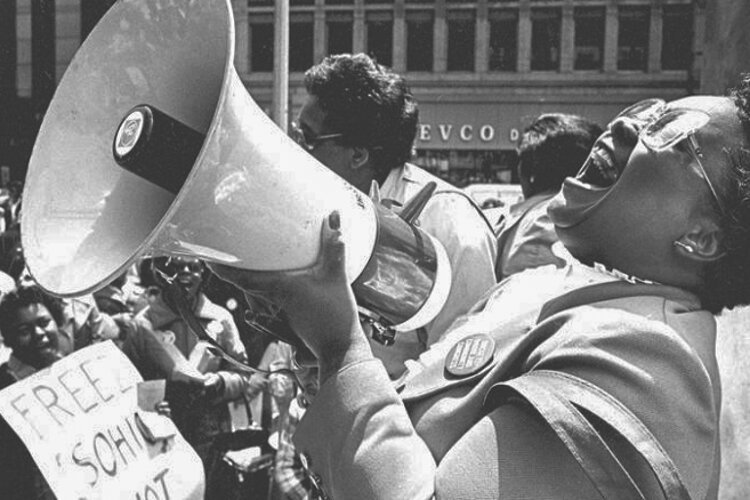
(727, 281)
(370, 104)
(552, 148)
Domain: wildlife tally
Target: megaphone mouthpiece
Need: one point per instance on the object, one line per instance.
(156, 147)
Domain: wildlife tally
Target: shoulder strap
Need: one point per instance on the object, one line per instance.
(559, 399)
(469, 199)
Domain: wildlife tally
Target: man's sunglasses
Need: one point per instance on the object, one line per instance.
(309, 143)
(662, 129)
(173, 265)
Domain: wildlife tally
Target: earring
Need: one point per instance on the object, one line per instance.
(683, 246)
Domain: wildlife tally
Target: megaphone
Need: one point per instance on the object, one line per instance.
(152, 146)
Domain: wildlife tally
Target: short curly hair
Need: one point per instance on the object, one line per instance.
(727, 281)
(553, 147)
(370, 104)
(25, 296)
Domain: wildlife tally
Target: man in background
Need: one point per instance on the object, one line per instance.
(360, 120)
(552, 148)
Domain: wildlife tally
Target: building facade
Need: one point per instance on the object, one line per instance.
(483, 69)
(38, 39)
(480, 69)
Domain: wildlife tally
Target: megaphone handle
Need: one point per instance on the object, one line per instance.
(183, 308)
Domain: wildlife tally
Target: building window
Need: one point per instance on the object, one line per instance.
(503, 54)
(339, 2)
(545, 39)
(677, 37)
(261, 43)
(419, 28)
(461, 29)
(301, 2)
(300, 41)
(8, 58)
(340, 30)
(632, 39)
(257, 3)
(42, 54)
(380, 36)
(589, 37)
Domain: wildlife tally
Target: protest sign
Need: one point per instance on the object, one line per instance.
(78, 419)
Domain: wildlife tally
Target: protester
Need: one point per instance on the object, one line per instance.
(124, 294)
(292, 396)
(29, 328)
(360, 120)
(81, 323)
(551, 148)
(121, 299)
(564, 361)
(27, 321)
(200, 402)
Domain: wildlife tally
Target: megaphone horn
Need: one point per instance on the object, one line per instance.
(152, 146)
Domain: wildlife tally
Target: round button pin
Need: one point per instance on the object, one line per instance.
(470, 355)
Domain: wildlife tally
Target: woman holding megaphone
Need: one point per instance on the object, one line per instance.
(595, 380)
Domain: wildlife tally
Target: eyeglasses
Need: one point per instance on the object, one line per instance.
(663, 129)
(309, 143)
(173, 265)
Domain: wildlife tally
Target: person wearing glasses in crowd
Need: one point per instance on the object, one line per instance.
(595, 380)
(163, 345)
(360, 121)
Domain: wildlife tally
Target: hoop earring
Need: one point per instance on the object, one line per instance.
(683, 246)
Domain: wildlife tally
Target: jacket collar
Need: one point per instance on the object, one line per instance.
(162, 315)
(394, 187)
(19, 369)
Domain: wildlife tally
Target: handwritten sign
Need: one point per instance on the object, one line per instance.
(77, 419)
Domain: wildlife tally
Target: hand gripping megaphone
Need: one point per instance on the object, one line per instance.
(152, 146)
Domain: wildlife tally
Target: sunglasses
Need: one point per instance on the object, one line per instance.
(174, 265)
(309, 143)
(662, 129)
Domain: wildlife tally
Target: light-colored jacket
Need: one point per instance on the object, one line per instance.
(161, 321)
(526, 238)
(456, 222)
(441, 436)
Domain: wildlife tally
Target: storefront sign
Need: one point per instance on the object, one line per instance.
(77, 419)
(491, 126)
(465, 132)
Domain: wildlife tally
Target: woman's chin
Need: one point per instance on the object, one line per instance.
(574, 203)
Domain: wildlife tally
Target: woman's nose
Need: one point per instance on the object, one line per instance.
(625, 131)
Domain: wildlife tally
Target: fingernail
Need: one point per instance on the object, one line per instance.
(334, 221)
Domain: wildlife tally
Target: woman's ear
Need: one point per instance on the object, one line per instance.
(702, 242)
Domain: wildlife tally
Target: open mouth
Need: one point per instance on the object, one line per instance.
(599, 170)
(45, 344)
(185, 281)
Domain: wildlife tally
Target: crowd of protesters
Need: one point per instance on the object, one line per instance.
(133, 311)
